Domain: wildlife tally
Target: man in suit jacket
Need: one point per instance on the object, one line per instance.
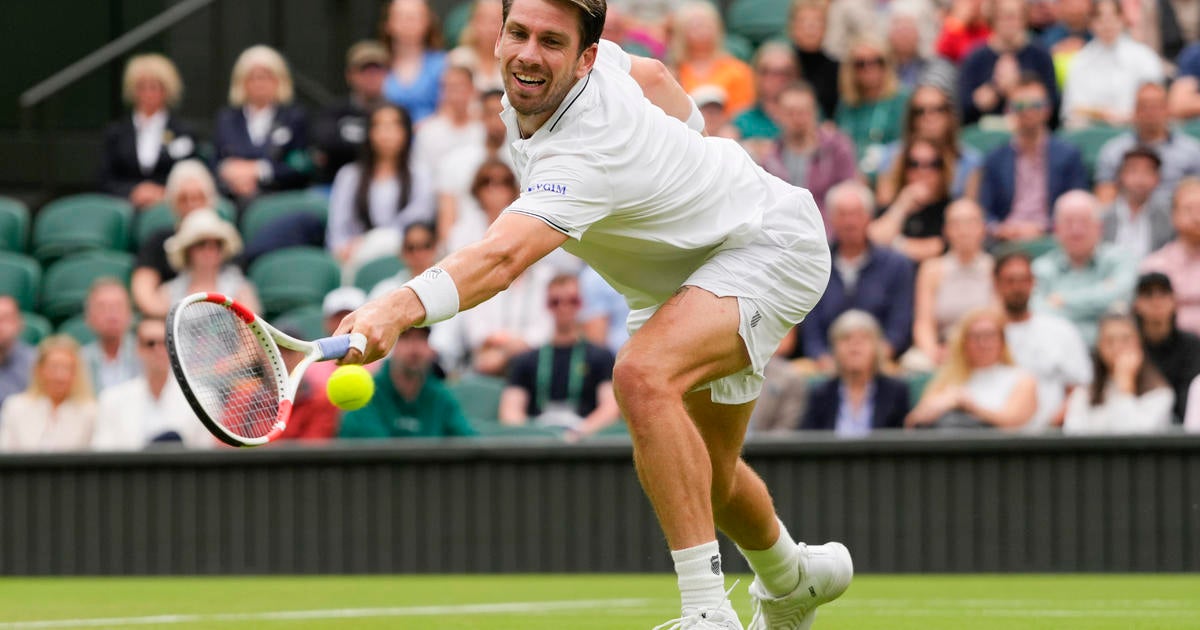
(340, 130)
(1045, 167)
(858, 399)
(1138, 221)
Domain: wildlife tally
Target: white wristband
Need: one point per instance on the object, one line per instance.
(438, 294)
(695, 121)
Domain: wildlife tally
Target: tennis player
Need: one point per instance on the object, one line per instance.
(717, 259)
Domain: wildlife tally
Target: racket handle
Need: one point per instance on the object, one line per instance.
(337, 347)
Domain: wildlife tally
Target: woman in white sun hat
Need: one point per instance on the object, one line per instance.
(201, 250)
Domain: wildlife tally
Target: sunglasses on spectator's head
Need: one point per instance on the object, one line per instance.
(936, 163)
(370, 65)
(864, 63)
(418, 247)
(1020, 106)
(920, 110)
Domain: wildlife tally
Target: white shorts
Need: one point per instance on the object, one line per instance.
(777, 280)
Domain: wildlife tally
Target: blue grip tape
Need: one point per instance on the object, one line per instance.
(334, 347)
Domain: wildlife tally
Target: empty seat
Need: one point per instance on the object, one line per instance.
(20, 277)
(81, 223)
(479, 396)
(294, 277)
(377, 270)
(36, 328)
(14, 225)
(268, 208)
(67, 281)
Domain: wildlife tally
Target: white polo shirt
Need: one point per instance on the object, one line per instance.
(644, 199)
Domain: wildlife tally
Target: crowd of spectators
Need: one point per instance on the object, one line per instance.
(1011, 191)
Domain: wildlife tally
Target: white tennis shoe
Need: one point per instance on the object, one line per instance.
(722, 617)
(825, 573)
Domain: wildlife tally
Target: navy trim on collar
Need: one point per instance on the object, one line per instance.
(586, 80)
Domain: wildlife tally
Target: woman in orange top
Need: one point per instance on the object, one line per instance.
(698, 50)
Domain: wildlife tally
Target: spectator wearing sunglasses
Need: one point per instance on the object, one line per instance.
(931, 116)
(872, 103)
(418, 252)
(990, 73)
(566, 383)
(913, 223)
(1045, 166)
(149, 409)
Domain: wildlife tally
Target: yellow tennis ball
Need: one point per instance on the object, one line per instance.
(350, 387)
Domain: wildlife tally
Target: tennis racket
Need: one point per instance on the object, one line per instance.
(228, 365)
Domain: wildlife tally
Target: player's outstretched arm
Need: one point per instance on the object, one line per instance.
(479, 271)
(661, 87)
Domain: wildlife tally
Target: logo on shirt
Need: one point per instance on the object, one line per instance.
(554, 188)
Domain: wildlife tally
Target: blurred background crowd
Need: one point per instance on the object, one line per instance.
(1011, 189)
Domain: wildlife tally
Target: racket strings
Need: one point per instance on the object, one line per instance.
(229, 371)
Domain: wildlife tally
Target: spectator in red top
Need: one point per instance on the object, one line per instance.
(964, 28)
(313, 416)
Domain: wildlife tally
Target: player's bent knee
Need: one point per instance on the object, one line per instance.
(638, 382)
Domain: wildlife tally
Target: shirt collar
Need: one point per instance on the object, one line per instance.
(157, 119)
(510, 115)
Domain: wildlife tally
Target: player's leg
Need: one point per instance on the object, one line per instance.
(742, 506)
(791, 579)
(690, 340)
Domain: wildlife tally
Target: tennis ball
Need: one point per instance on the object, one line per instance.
(350, 387)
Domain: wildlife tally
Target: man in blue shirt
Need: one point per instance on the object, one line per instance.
(16, 356)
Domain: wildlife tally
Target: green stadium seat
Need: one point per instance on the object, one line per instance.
(1191, 128)
(917, 381)
(81, 223)
(493, 429)
(268, 208)
(1089, 140)
(1033, 248)
(757, 20)
(78, 329)
(739, 46)
(479, 396)
(14, 225)
(68, 280)
(983, 139)
(376, 270)
(309, 321)
(20, 277)
(159, 217)
(456, 20)
(36, 328)
(294, 277)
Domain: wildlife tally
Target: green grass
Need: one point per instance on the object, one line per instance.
(898, 602)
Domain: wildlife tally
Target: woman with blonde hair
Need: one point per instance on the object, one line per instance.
(411, 32)
(261, 139)
(139, 150)
(699, 56)
(978, 386)
(871, 103)
(57, 412)
(476, 44)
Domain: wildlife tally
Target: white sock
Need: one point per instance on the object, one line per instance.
(777, 567)
(701, 583)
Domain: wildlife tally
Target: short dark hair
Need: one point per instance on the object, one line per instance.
(1006, 258)
(592, 14)
(1142, 151)
(1030, 78)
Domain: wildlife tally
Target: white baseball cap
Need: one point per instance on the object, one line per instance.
(342, 299)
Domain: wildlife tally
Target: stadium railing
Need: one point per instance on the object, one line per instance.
(902, 503)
